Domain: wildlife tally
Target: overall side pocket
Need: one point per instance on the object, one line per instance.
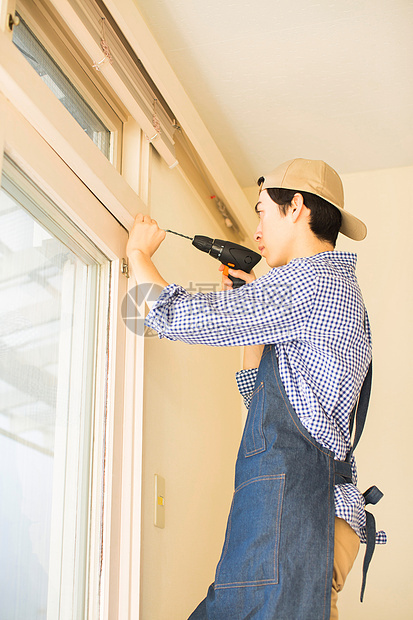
(250, 553)
(254, 439)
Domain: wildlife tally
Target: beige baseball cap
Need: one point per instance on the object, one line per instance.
(316, 177)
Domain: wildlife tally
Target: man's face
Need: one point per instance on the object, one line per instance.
(273, 233)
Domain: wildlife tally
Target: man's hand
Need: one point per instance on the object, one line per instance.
(236, 273)
(145, 236)
(144, 239)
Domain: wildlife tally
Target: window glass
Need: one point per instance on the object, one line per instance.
(48, 293)
(60, 85)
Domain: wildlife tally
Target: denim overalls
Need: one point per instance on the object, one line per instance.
(277, 559)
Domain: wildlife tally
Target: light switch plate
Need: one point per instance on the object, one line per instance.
(159, 515)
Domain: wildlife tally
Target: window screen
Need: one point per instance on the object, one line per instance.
(60, 85)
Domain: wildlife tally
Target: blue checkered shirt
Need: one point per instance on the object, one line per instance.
(312, 311)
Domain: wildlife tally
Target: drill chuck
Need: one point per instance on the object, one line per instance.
(203, 243)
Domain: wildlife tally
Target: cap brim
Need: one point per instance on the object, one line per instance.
(351, 226)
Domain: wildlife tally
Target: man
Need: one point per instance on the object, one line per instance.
(297, 516)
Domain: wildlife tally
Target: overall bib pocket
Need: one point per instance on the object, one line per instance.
(250, 554)
(254, 439)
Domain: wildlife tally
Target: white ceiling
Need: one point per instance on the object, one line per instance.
(277, 79)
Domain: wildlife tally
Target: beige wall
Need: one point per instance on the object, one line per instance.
(192, 424)
(384, 199)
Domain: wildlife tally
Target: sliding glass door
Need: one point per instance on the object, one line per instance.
(57, 388)
(48, 301)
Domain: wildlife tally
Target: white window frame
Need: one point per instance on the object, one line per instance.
(115, 591)
(25, 89)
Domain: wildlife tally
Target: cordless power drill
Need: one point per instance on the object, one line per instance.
(230, 254)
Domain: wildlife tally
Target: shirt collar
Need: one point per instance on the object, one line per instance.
(336, 256)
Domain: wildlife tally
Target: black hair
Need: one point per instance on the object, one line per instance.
(325, 218)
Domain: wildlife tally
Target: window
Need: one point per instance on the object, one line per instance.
(62, 375)
(70, 372)
(60, 85)
(51, 49)
(49, 290)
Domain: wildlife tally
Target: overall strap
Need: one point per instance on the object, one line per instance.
(358, 415)
(373, 494)
(359, 412)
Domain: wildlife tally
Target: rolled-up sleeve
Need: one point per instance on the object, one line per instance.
(271, 309)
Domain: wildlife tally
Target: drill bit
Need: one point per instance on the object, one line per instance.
(179, 234)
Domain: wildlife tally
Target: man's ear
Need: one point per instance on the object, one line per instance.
(298, 207)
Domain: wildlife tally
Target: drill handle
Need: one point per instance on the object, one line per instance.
(236, 282)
